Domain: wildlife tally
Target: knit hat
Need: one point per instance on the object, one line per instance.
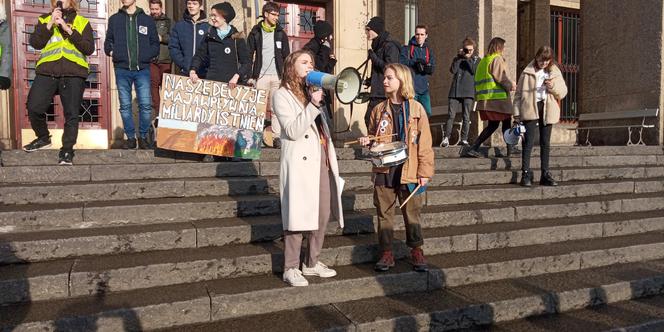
(322, 29)
(226, 10)
(377, 24)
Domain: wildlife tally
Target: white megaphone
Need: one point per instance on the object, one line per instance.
(346, 85)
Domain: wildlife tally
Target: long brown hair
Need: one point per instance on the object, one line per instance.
(291, 81)
(545, 53)
(496, 45)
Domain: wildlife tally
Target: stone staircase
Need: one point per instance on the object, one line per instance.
(138, 240)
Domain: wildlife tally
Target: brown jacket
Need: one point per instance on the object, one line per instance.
(525, 98)
(420, 162)
(498, 69)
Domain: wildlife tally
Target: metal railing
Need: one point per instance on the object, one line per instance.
(565, 33)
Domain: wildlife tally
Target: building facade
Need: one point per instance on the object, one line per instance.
(586, 50)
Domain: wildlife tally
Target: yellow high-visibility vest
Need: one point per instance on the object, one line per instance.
(486, 87)
(58, 47)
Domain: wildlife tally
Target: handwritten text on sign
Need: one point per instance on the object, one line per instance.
(209, 117)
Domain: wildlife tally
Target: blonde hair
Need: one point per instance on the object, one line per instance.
(72, 4)
(403, 74)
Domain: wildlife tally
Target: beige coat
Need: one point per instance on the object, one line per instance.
(525, 98)
(299, 177)
(420, 163)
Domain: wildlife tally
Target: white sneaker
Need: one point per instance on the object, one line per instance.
(294, 277)
(446, 142)
(320, 270)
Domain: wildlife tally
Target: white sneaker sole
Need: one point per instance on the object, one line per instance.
(297, 284)
(325, 275)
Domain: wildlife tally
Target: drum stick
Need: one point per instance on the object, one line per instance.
(371, 138)
(411, 196)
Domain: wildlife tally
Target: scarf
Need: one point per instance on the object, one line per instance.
(222, 33)
(267, 28)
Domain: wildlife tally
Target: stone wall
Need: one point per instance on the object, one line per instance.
(622, 63)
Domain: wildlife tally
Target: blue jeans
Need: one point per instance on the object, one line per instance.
(141, 79)
(425, 100)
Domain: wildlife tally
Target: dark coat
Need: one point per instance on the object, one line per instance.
(186, 37)
(415, 57)
(321, 55)
(116, 39)
(463, 82)
(225, 57)
(82, 40)
(255, 44)
(384, 50)
(163, 24)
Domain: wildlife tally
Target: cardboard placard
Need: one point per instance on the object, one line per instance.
(208, 117)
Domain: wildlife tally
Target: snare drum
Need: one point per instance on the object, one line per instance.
(389, 154)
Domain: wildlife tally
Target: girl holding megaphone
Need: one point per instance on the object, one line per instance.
(309, 182)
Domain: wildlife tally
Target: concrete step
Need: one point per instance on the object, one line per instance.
(21, 218)
(621, 296)
(637, 315)
(86, 276)
(459, 233)
(52, 193)
(105, 157)
(484, 290)
(129, 171)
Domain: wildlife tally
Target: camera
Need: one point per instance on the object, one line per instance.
(466, 51)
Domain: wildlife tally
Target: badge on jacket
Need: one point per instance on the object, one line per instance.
(227, 50)
(143, 30)
(278, 43)
(201, 32)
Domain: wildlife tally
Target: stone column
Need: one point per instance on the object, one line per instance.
(622, 64)
(350, 47)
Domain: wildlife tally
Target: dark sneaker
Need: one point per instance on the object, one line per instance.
(547, 180)
(385, 262)
(129, 144)
(472, 153)
(38, 144)
(66, 158)
(143, 144)
(418, 260)
(526, 178)
(276, 143)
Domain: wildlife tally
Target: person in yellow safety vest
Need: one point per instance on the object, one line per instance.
(492, 87)
(65, 40)
(5, 51)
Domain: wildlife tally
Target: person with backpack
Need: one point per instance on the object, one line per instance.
(419, 58)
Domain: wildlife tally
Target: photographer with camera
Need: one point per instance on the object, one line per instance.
(462, 90)
(418, 57)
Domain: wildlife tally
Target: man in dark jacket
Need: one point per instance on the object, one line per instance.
(186, 37)
(162, 64)
(324, 59)
(384, 50)
(132, 42)
(462, 90)
(419, 58)
(268, 47)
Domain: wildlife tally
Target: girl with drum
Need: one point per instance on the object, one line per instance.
(309, 182)
(400, 121)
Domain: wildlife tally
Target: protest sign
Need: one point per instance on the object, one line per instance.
(209, 117)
